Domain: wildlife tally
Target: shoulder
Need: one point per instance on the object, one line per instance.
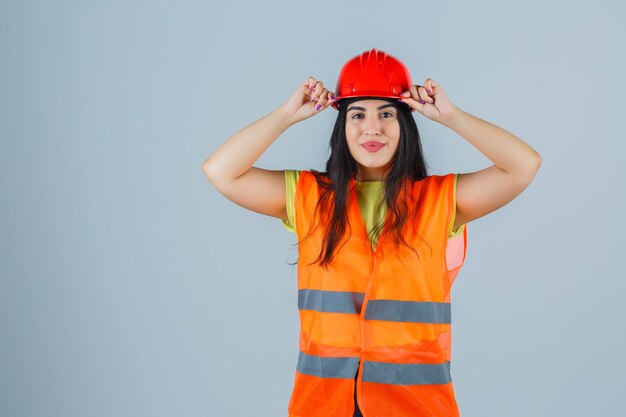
(310, 177)
(291, 178)
(434, 184)
(292, 173)
(440, 180)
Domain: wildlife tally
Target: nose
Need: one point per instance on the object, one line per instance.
(372, 126)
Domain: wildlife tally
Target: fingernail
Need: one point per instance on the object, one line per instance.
(423, 102)
(332, 97)
(319, 106)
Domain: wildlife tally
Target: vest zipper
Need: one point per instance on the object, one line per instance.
(361, 319)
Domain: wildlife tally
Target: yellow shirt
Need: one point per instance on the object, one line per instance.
(369, 193)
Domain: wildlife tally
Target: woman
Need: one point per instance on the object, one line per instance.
(380, 241)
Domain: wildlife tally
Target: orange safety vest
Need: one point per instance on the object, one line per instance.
(381, 315)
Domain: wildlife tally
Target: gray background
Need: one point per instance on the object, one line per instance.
(131, 287)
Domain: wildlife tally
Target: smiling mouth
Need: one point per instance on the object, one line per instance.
(372, 146)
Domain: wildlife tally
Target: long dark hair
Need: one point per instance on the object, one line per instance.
(408, 165)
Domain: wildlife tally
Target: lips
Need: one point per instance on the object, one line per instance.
(372, 146)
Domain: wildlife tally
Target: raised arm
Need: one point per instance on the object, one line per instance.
(515, 162)
(230, 167)
(515, 166)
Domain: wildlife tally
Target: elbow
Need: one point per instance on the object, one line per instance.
(532, 162)
(532, 167)
(214, 173)
(537, 162)
(208, 170)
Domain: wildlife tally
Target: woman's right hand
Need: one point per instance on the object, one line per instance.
(309, 99)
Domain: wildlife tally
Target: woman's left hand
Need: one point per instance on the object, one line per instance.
(430, 100)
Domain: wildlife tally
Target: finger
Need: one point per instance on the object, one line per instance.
(308, 85)
(313, 91)
(423, 95)
(433, 87)
(317, 90)
(415, 104)
(332, 98)
(428, 85)
(413, 94)
(416, 93)
(322, 101)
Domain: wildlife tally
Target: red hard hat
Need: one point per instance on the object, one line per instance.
(374, 73)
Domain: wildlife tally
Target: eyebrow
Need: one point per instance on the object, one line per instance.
(378, 108)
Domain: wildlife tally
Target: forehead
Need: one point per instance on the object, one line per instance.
(369, 104)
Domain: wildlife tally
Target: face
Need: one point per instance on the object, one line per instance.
(373, 134)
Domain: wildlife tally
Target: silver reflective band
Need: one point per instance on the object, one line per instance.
(335, 367)
(406, 374)
(411, 311)
(330, 301)
(380, 372)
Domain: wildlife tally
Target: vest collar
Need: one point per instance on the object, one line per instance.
(359, 227)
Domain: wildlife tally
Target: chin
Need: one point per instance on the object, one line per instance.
(369, 164)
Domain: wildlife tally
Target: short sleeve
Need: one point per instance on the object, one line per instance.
(291, 181)
(458, 230)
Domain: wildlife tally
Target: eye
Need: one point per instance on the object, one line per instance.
(390, 114)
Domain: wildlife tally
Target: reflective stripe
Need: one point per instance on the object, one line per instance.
(414, 311)
(330, 301)
(323, 367)
(406, 374)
